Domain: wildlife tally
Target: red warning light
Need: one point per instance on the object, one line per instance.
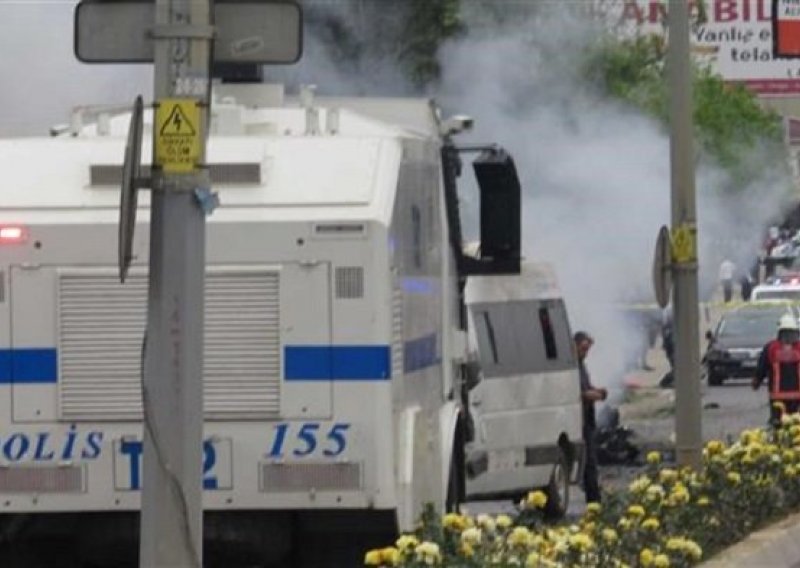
(12, 234)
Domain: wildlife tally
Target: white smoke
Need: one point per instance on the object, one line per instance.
(595, 176)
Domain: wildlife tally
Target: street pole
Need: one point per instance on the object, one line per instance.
(684, 242)
(172, 513)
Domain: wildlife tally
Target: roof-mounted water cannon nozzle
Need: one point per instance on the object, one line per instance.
(332, 121)
(307, 95)
(103, 124)
(76, 122)
(456, 124)
(59, 129)
(312, 113)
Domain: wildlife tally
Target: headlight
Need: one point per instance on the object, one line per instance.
(717, 354)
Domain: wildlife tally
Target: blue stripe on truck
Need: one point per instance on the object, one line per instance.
(337, 362)
(28, 366)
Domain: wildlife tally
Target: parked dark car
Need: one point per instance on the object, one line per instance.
(736, 343)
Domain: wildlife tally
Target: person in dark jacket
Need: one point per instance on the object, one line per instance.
(589, 396)
(779, 364)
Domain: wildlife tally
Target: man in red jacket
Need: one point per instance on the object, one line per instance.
(779, 363)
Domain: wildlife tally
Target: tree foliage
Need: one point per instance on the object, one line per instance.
(729, 122)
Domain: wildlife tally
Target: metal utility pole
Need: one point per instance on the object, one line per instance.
(684, 242)
(172, 512)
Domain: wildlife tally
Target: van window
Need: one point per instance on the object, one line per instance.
(547, 334)
(530, 336)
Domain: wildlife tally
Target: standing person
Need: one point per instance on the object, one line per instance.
(726, 271)
(746, 286)
(589, 395)
(779, 363)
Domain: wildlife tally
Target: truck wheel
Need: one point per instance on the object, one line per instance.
(558, 489)
(455, 482)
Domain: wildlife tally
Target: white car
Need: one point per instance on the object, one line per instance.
(776, 292)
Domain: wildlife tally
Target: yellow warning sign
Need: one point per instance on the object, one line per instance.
(177, 135)
(684, 244)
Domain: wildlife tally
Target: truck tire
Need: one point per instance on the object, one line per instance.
(715, 379)
(456, 479)
(558, 489)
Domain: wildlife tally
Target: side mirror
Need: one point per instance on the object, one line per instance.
(709, 335)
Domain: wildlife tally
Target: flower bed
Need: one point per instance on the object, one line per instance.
(667, 517)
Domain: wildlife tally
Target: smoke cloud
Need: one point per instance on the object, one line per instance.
(595, 175)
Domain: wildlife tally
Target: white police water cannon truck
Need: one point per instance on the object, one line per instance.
(336, 343)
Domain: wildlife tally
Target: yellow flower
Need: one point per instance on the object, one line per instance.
(454, 522)
(734, 477)
(667, 475)
(467, 550)
(651, 524)
(624, 524)
(536, 499)
(610, 536)
(407, 543)
(428, 552)
(589, 527)
(694, 550)
(472, 536)
(373, 558)
(580, 541)
(520, 537)
(715, 447)
(390, 556)
(655, 493)
(533, 560)
(640, 484)
(654, 458)
(788, 455)
(646, 557)
(485, 522)
(661, 561)
(789, 471)
(703, 501)
(503, 521)
(778, 405)
(593, 508)
(636, 511)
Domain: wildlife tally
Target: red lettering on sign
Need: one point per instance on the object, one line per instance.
(764, 11)
(657, 13)
(632, 11)
(725, 11)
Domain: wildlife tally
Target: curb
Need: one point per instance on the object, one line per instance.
(777, 545)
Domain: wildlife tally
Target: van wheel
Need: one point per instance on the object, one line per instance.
(558, 489)
(714, 379)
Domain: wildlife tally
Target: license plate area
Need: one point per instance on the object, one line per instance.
(217, 464)
(506, 460)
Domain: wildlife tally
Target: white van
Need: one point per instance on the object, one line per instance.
(526, 407)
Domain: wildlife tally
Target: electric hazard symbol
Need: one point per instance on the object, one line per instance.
(684, 244)
(177, 135)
